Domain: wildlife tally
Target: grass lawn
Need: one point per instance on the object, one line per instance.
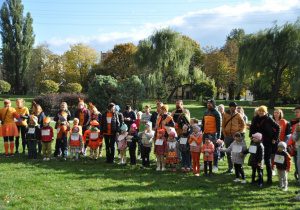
(57, 184)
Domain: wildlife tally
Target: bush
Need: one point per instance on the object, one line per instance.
(48, 86)
(74, 88)
(205, 89)
(50, 102)
(4, 86)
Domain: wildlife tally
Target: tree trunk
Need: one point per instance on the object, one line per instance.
(171, 94)
(276, 85)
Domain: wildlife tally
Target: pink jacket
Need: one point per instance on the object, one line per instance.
(210, 150)
(160, 149)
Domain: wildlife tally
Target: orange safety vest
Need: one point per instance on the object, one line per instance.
(210, 125)
(160, 124)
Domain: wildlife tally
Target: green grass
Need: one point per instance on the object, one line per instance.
(57, 184)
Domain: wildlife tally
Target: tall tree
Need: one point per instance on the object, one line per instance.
(168, 54)
(17, 41)
(271, 52)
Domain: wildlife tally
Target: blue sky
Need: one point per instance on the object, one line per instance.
(104, 23)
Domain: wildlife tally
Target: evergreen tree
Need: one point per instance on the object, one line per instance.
(17, 41)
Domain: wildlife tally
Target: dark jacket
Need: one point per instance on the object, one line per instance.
(40, 117)
(184, 147)
(256, 158)
(87, 119)
(134, 140)
(121, 118)
(215, 113)
(153, 119)
(265, 125)
(130, 115)
(56, 118)
(286, 165)
(115, 123)
(36, 135)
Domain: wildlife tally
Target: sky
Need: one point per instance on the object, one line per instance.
(102, 24)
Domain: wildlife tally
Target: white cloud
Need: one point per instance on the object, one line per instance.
(208, 27)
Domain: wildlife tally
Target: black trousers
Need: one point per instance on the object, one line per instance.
(146, 156)
(24, 142)
(267, 160)
(32, 152)
(61, 144)
(260, 174)
(132, 154)
(110, 147)
(208, 163)
(238, 168)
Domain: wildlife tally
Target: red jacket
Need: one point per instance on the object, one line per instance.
(211, 148)
(291, 143)
(160, 149)
(47, 134)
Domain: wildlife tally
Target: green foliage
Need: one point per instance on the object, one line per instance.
(270, 53)
(102, 91)
(4, 86)
(74, 88)
(206, 89)
(17, 41)
(132, 92)
(48, 86)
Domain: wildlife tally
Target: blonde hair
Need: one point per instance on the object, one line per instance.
(95, 110)
(20, 99)
(195, 120)
(76, 120)
(280, 114)
(7, 103)
(139, 113)
(64, 103)
(256, 111)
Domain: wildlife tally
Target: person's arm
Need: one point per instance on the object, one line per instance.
(69, 115)
(56, 116)
(51, 134)
(199, 140)
(288, 128)
(218, 124)
(171, 123)
(277, 128)
(88, 118)
(288, 162)
(241, 123)
(273, 163)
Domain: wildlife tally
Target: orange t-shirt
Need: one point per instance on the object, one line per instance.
(108, 119)
(22, 111)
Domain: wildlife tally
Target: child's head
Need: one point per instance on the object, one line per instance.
(256, 137)
(185, 128)
(139, 115)
(20, 102)
(297, 112)
(63, 106)
(46, 121)
(147, 109)
(124, 128)
(238, 137)
(148, 126)
(133, 127)
(33, 120)
(161, 133)
(75, 121)
(94, 123)
(208, 139)
(75, 130)
(194, 121)
(62, 119)
(80, 105)
(196, 129)
(281, 146)
(7, 103)
(171, 135)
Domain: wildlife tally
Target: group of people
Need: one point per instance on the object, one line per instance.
(174, 135)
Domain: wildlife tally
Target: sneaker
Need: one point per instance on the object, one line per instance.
(142, 167)
(236, 180)
(244, 181)
(215, 169)
(16, 152)
(197, 174)
(120, 163)
(119, 156)
(163, 169)
(12, 154)
(48, 159)
(158, 169)
(138, 157)
(90, 159)
(187, 170)
(285, 189)
(273, 172)
(228, 171)
(260, 184)
(96, 160)
(182, 170)
(44, 159)
(64, 158)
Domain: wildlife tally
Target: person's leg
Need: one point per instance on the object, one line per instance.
(112, 147)
(106, 139)
(24, 141)
(228, 141)
(260, 175)
(6, 144)
(298, 164)
(44, 149)
(236, 171)
(205, 167)
(197, 157)
(183, 160)
(216, 152)
(11, 144)
(194, 162)
(133, 155)
(280, 178)
(253, 174)
(210, 167)
(40, 147)
(57, 146)
(148, 150)
(241, 169)
(30, 149)
(18, 139)
(101, 150)
(285, 179)
(158, 157)
(143, 154)
(267, 159)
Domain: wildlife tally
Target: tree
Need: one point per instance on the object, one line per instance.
(102, 91)
(271, 52)
(17, 41)
(78, 61)
(120, 62)
(48, 86)
(4, 86)
(206, 89)
(167, 53)
(74, 88)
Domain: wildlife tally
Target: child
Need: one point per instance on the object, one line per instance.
(61, 139)
(256, 151)
(236, 148)
(147, 139)
(75, 143)
(208, 155)
(195, 142)
(122, 145)
(76, 124)
(33, 134)
(46, 138)
(160, 149)
(193, 121)
(172, 151)
(283, 164)
(184, 148)
(132, 139)
(138, 120)
(93, 135)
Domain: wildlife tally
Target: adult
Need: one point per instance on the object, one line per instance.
(21, 123)
(129, 116)
(264, 123)
(221, 109)
(211, 126)
(240, 110)
(147, 115)
(284, 125)
(177, 113)
(121, 121)
(109, 129)
(164, 120)
(232, 122)
(156, 114)
(38, 112)
(96, 116)
(83, 114)
(63, 108)
(8, 129)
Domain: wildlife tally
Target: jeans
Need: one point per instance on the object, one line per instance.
(61, 144)
(32, 151)
(186, 160)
